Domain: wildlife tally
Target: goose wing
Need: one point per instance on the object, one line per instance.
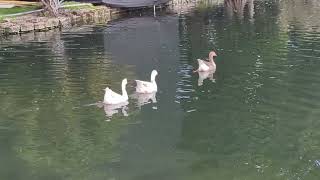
(143, 84)
(203, 65)
(111, 94)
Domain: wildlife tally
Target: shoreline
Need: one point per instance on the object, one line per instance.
(41, 22)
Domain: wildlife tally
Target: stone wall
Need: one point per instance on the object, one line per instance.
(38, 22)
(68, 18)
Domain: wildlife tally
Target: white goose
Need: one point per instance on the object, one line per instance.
(207, 65)
(111, 97)
(147, 87)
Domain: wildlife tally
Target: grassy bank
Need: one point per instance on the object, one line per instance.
(72, 15)
(23, 7)
(19, 9)
(76, 6)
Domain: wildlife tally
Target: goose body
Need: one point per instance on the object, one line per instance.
(147, 87)
(207, 65)
(111, 97)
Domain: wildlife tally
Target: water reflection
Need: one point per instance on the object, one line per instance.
(111, 109)
(205, 75)
(302, 14)
(145, 98)
(260, 120)
(237, 7)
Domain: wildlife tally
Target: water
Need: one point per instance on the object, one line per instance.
(256, 118)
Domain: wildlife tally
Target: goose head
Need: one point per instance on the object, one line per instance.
(125, 81)
(212, 55)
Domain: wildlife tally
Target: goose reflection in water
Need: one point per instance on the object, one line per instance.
(111, 109)
(205, 75)
(145, 98)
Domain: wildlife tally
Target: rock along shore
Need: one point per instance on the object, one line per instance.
(42, 22)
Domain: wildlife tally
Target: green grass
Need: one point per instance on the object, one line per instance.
(26, 8)
(81, 5)
(71, 3)
(14, 10)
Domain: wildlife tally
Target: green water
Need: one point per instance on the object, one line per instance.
(257, 118)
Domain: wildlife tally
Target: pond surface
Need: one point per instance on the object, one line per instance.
(257, 117)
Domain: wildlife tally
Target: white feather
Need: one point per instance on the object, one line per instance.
(203, 66)
(111, 97)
